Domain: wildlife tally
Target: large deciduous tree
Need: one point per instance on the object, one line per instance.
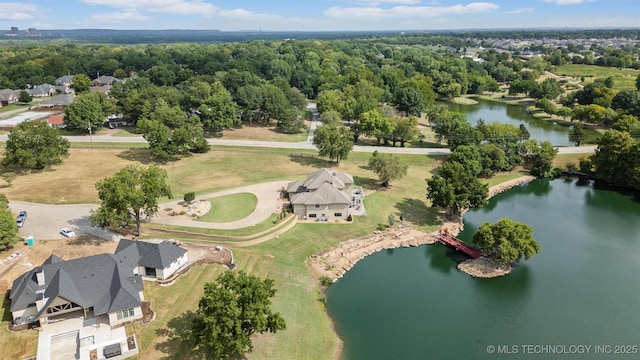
(333, 141)
(219, 111)
(85, 113)
(34, 145)
(8, 226)
(387, 167)
(170, 131)
(506, 241)
(454, 188)
(81, 83)
(129, 194)
(232, 309)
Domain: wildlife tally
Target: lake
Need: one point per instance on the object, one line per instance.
(541, 130)
(580, 290)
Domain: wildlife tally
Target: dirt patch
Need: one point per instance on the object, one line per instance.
(185, 210)
(147, 313)
(484, 268)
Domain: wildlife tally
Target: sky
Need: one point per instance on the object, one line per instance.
(317, 15)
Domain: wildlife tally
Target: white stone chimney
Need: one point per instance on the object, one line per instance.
(40, 277)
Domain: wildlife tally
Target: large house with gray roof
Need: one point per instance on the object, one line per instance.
(107, 287)
(326, 195)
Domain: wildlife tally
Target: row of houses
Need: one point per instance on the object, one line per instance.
(63, 86)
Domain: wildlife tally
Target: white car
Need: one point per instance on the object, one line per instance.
(66, 232)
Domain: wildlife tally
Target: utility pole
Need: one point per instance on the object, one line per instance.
(89, 128)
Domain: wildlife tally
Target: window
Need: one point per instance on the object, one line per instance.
(317, 206)
(125, 314)
(337, 215)
(313, 215)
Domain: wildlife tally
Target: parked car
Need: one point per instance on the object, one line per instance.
(66, 232)
(22, 217)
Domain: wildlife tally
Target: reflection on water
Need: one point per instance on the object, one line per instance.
(541, 130)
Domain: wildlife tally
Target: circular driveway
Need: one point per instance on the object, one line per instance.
(268, 195)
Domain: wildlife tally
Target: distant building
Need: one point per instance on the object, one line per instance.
(33, 32)
(14, 30)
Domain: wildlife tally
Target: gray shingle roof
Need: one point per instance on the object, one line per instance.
(327, 194)
(103, 281)
(157, 256)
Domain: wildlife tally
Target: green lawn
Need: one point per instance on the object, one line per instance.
(14, 107)
(623, 79)
(230, 208)
(127, 131)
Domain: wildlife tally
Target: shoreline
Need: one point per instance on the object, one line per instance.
(334, 262)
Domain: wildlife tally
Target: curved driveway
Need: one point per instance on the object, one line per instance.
(268, 195)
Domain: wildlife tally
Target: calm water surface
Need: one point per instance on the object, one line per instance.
(541, 130)
(581, 290)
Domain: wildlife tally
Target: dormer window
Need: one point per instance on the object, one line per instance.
(317, 206)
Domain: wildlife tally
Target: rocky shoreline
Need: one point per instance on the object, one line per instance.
(336, 261)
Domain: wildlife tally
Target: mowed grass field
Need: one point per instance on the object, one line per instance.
(230, 208)
(623, 79)
(309, 334)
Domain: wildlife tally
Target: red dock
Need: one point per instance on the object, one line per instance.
(449, 240)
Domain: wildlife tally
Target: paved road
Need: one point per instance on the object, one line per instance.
(304, 145)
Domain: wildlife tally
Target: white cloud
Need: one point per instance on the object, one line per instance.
(520, 11)
(565, 2)
(246, 15)
(159, 6)
(377, 2)
(118, 17)
(19, 11)
(406, 12)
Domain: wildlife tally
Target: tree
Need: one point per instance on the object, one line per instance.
(9, 176)
(506, 241)
(8, 226)
(85, 113)
(130, 193)
(170, 131)
(81, 83)
(25, 97)
(539, 156)
(410, 101)
(232, 309)
(453, 187)
(405, 129)
(387, 167)
(375, 123)
(577, 135)
(331, 117)
(34, 145)
(219, 111)
(333, 141)
(638, 83)
(524, 132)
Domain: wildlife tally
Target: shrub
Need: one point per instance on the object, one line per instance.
(382, 227)
(326, 281)
(392, 219)
(183, 212)
(349, 218)
(173, 213)
(189, 197)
